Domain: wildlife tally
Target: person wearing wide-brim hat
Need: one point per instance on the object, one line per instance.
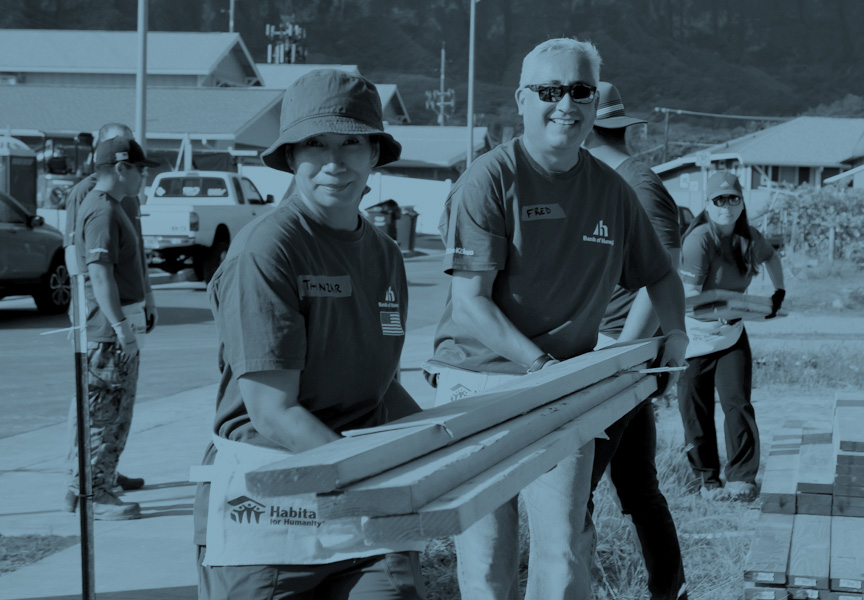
(310, 306)
(629, 451)
(722, 251)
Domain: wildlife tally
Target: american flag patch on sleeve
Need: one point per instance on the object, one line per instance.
(391, 323)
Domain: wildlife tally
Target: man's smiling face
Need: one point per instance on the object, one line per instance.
(557, 126)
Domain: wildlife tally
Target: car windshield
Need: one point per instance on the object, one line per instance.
(191, 187)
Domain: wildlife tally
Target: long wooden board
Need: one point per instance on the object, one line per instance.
(779, 481)
(815, 462)
(753, 591)
(810, 553)
(807, 594)
(409, 487)
(849, 422)
(724, 304)
(767, 560)
(844, 596)
(461, 507)
(847, 558)
(847, 506)
(813, 504)
(370, 452)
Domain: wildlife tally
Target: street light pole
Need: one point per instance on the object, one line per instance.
(469, 156)
(141, 77)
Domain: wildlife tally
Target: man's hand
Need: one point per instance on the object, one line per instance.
(126, 338)
(150, 312)
(776, 302)
(674, 347)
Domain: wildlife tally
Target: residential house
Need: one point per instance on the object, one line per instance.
(435, 152)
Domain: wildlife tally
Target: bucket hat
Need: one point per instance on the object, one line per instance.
(723, 183)
(330, 101)
(610, 109)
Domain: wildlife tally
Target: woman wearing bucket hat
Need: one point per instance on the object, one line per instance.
(309, 306)
(722, 251)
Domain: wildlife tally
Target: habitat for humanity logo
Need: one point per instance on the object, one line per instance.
(244, 506)
(600, 235)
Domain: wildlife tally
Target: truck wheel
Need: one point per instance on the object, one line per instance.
(56, 292)
(212, 259)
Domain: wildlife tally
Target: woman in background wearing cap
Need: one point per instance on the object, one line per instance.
(722, 251)
(310, 305)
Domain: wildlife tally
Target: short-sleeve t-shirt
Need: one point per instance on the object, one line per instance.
(293, 293)
(107, 235)
(706, 264)
(663, 212)
(560, 243)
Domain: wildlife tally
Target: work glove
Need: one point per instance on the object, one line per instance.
(776, 302)
(126, 338)
(150, 312)
(672, 355)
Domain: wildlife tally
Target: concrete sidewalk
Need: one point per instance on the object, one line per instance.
(151, 558)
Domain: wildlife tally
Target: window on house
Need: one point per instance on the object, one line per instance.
(803, 175)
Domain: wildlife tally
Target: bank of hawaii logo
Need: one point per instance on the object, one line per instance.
(244, 506)
(391, 320)
(600, 235)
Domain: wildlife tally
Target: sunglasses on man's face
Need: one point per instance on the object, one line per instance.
(581, 93)
(720, 201)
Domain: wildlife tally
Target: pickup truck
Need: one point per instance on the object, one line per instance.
(190, 218)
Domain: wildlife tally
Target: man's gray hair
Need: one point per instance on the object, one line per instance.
(560, 46)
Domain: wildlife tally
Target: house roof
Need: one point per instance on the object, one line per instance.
(801, 142)
(435, 146)
(214, 113)
(82, 51)
(282, 75)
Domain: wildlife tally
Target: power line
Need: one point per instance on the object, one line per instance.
(678, 111)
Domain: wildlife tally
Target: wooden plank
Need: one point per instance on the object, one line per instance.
(847, 557)
(779, 480)
(723, 304)
(849, 425)
(844, 596)
(810, 552)
(763, 592)
(461, 507)
(807, 594)
(847, 506)
(852, 470)
(768, 558)
(815, 462)
(856, 491)
(409, 487)
(370, 452)
(855, 480)
(813, 504)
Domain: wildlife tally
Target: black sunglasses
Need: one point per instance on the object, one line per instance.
(720, 201)
(581, 93)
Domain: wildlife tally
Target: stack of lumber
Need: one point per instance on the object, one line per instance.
(435, 473)
(809, 540)
(714, 305)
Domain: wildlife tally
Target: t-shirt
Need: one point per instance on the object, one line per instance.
(663, 212)
(73, 201)
(294, 293)
(705, 263)
(560, 242)
(107, 235)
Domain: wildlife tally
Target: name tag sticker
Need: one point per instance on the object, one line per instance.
(324, 286)
(538, 212)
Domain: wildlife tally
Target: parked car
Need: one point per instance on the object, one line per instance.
(191, 217)
(31, 258)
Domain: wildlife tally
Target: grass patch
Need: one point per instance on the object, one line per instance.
(829, 366)
(21, 550)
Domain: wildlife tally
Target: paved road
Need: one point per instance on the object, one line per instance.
(37, 371)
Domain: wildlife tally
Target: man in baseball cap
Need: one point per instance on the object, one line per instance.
(629, 451)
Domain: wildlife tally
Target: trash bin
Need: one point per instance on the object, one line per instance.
(384, 216)
(406, 228)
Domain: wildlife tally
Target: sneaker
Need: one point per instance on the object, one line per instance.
(741, 491)
(717, 493)
(129, 483)
(108, 507)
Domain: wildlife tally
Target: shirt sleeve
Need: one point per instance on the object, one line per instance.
(662, 211)
(257, 310)
(762, 250)
(695, 257)
(101, 243)
(646, 260)
(474, 229)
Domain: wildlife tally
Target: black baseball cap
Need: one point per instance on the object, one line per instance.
(121, 149)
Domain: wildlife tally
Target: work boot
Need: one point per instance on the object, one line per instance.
(108, 507)
(129, 483)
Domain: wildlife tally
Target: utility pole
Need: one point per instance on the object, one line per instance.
(141, 77)
(469, 155)
(441, 101)
(231, 17)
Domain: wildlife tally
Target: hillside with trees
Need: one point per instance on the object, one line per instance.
(771, 57)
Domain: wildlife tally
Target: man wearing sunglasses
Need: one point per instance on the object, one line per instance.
(538, 233)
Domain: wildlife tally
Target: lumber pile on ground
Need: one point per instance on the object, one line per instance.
(714, 305)
(435, 473)
(809, 541)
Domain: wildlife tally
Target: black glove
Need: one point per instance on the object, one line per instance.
(776, 302)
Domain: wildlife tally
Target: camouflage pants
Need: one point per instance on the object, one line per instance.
(111, 396)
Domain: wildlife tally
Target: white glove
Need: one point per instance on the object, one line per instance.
(126, 337)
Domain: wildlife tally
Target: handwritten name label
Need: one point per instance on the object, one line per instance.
(538, 212)
(324, 286)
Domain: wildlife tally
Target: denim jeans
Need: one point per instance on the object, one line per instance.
(562, 534)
